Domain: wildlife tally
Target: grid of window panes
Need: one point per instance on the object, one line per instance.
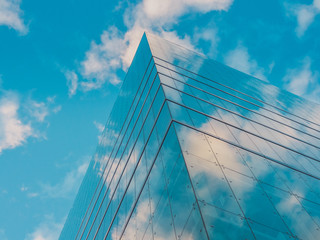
(252, 151)
(196, 150)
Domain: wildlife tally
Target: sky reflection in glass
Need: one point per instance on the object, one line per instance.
(196, 150)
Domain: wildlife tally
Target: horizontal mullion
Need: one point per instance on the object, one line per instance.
(288, 191)
(247, 101)
(246, 149)
(242, 116)
(248, 132)
(283, 110)
(238, 105)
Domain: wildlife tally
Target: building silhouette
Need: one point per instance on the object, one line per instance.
(194, 149)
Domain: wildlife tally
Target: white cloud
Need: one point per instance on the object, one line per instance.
(23, 188)
(57, 109)
(147, 17)
(99, 126)
(29, 194)
(51, 99)
(32, 194)
(304, 14)
(49, 229)
(10, 15)
(20, 120)
(240, 59)
(164, 11)
(72, 82)
(68, 187)
(303, 81)
(172, 36)
(13, 132)
(102, 60)
(39, 111)
(270, 67)
(116, 49)
(209, 35)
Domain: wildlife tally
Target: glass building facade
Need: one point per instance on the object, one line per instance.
(194, 149)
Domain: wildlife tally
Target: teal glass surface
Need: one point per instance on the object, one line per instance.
(194, 149)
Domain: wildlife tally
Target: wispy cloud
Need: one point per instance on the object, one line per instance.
(23, 188)
(304, 14)
(303, 81)
(99, 126)
(240, 59)
(116, 49)
(3, 234)
(164, 11)
(37, 113)
(210, 35)
(33, 194)
(30, 194)
(102, 60)
(69, 185)
(19, 120)
(38, 110)
(72, 82)
(13, 132)
(11, 15)
(48, 229)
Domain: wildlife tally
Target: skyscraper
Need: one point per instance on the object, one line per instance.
(194, 149)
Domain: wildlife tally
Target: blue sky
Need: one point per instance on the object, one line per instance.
(61, 67)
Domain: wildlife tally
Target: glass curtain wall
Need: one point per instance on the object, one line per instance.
(194, 149)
